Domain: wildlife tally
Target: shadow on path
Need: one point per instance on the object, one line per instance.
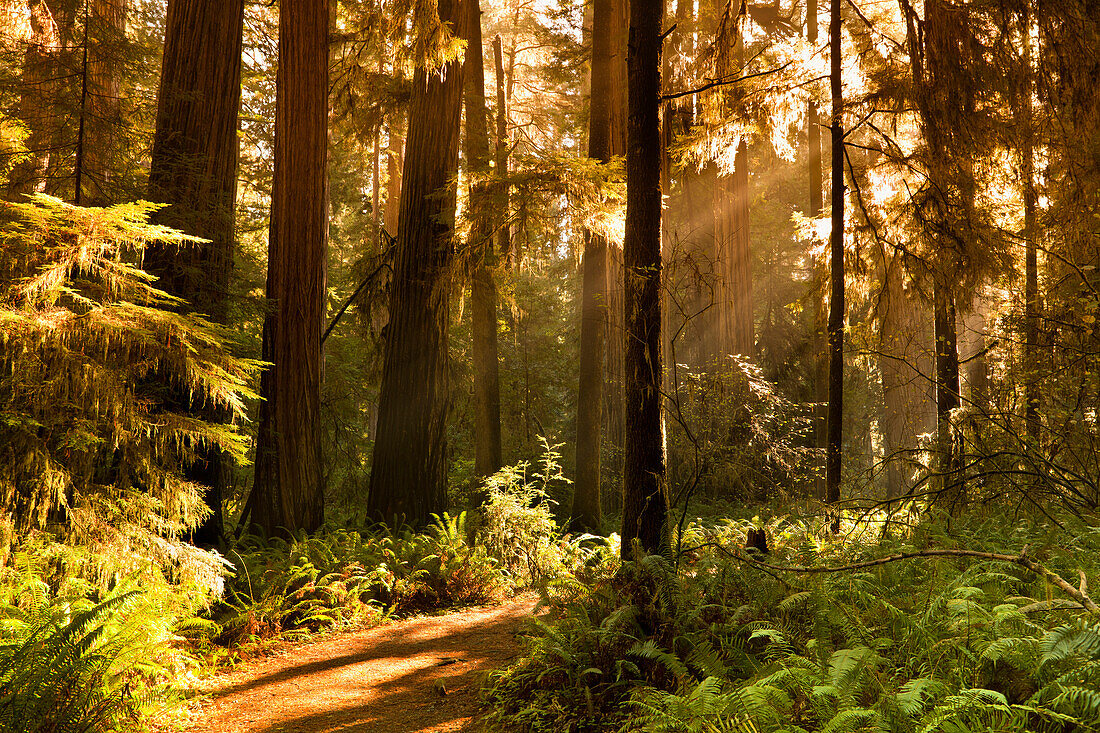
(418, 675)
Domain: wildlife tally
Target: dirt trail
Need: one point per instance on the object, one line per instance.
(418, 675)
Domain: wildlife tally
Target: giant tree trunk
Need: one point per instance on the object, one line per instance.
(409, 472)
(483, 295)
(194, 170)
(645, 495)
(614, 416)
(288, 491)
(587, 508)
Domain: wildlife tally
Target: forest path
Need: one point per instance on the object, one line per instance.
(422, 674)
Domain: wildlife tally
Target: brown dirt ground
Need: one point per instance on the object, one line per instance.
(423, 674)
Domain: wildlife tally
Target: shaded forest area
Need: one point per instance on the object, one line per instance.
(759, 336)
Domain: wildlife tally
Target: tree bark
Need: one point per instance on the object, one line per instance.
(587, 513)
(194, 170)
(106, 34)
(905, 367)
(614, 415)
(483, 289)
(645, 495)
(947, 392)
(288, 491)
(409, 471)
(836, 268)
(1031, 255)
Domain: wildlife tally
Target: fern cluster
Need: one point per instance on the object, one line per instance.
(342, 578)
(720, 644)
(69, 662)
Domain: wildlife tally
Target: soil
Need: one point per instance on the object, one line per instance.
(423, 674)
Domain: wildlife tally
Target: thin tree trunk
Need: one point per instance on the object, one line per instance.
(836, 268)
(194, 169)
(947, 392)
(288, 491)
(645, 495)
(740, 267)
(1031, 254)
(409, 469)
(483, 289)
(817, 205)
(586, 512)
(395, 163)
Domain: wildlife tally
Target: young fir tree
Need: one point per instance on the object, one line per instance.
(86, 341)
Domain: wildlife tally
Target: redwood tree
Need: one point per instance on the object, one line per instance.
(288, 490)
(408, 480)
(645, 494)
(194, 171)
(586, 513)
(483, 289)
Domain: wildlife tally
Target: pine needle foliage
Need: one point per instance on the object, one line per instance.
(87, 346)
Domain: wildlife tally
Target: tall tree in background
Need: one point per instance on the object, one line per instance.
(40, 69)
(645, 494)
(504, 244)
(408, 480)
(942, 54)
(587, 509)
(1025, 111)
(817, 205)
(194, 171)
(104, 34)
(288, 491)
(483, 289)
(835, 420)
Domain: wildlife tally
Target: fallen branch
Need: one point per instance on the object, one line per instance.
(1079, 594)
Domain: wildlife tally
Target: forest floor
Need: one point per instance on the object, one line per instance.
(421, 674)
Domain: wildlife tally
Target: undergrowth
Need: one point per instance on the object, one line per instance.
(717, 643)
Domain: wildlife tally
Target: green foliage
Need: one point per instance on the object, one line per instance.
(87, 344)
(733, 435)
(341, 578)
(68, 663)
(518, 525)
(931, 644)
